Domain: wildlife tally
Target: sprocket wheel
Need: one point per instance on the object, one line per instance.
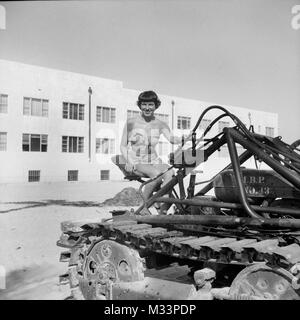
(108, 262)
(262, 282)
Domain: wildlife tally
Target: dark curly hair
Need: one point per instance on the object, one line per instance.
(148, 96)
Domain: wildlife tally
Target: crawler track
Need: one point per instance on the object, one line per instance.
(183, 247)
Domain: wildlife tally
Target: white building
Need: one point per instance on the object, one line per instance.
(48, 134)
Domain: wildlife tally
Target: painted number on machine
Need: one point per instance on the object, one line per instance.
(255, 185)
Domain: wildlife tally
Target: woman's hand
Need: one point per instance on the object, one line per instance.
(178, 140)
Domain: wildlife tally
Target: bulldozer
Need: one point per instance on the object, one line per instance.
(235, 236)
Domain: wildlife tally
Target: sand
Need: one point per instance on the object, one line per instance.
(30, 217)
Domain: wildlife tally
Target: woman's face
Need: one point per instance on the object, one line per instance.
(147, 109)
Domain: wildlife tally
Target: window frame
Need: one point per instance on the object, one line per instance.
(73, 111)
(183, 119)
(28, 107)
(72, 144)
(111, 145)
(272, 129)
(3, 105)
(3, 143)
(106, 117)
(43, 142)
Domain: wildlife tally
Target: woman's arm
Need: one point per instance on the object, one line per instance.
(165, 130)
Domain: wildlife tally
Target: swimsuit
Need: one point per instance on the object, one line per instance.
(140, 149)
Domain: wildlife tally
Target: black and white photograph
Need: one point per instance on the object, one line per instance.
(150, 150)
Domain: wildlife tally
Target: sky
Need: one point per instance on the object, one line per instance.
(243, 53)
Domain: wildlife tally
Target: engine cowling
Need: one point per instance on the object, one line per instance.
(259, 185)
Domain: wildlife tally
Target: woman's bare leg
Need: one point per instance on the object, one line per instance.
(150, 171)
(167, 177)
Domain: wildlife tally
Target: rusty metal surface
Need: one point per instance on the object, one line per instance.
(139, 238)
(284, 256)
(264, 283)
(211, 249)
(232, 251)
(176, 244)
(122, 232)
(256, 251)
(172, 245)
(154, 242)
(190, 248)
(152, 289)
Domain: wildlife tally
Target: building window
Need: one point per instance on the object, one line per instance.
(104, 174)
(105, 145)
(34, 142)
(35, 107)
(106, 114)
(72, 144)
(3, 141)
(34, 175)
(222, 125)
(72, 175)
(73, 111)
(132, 113)
(3, 103)
(183, 122)
(204, 124)
(269, 131)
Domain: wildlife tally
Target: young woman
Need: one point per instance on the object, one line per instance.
(139, 140)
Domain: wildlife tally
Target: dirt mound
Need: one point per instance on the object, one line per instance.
(126, 197)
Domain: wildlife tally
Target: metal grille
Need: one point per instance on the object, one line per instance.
(104, 174)
(3, 141)
(72, 175)
(34, 175)
(3, 103)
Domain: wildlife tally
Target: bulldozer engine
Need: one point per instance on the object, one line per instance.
(235, 236)
(259, 185)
